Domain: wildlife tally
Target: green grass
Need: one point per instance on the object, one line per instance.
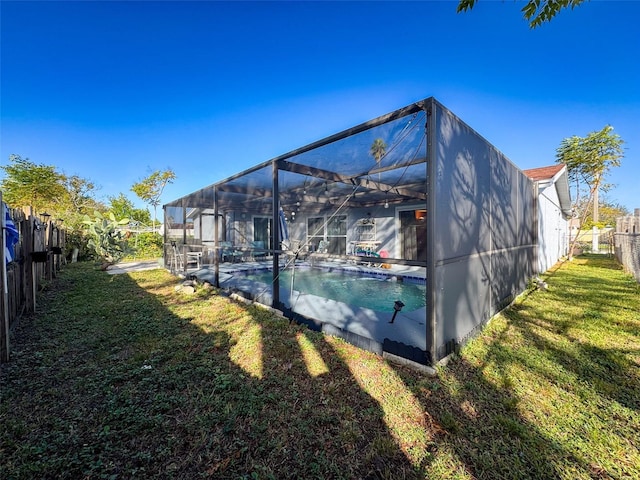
(124, 377)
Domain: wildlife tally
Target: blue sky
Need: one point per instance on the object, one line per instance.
(111, 91)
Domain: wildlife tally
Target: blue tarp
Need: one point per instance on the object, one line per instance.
(12, 234)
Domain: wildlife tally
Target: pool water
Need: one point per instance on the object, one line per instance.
(377, 294)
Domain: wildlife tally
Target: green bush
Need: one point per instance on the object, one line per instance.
(77, 239)
(584, 246)
(146, 245)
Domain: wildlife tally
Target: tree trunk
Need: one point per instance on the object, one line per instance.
(596, 202)
(572, 246)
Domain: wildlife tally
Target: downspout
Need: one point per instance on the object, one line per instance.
(536, 228)
(431, 170)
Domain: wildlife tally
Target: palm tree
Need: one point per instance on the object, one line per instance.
(378, 150)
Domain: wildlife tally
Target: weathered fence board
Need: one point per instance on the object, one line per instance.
(22, 277)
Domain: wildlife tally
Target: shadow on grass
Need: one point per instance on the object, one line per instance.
(611, 372)
(531, 398)
(483, 426)
(109, 380)
(593, 340)
(122, 376)
(599, 260)
(491, 427)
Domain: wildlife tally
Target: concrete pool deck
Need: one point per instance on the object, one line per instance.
(366, 328)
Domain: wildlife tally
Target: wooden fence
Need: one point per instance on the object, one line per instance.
(38, 256)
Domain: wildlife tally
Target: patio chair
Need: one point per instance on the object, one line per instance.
(194, 258)
(323, 246)
(295, 249)
(257, 247)
(228, 253)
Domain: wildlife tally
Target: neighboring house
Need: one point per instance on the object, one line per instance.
(554, 213)
(629, 223)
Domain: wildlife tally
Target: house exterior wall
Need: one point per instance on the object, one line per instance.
(385, 220)
(553, 229)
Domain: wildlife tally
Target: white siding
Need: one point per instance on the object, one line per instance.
(553, 237)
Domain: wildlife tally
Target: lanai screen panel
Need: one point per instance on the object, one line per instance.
(188, 220)
(250, 193)
(484, 230)
(245, 201)
(381, 162)
(174, 223)
(343, 201)
(199, 222)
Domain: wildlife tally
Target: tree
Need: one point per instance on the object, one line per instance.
(378, 150)
(122, 207)
(589, 159)
(536, 12)
(79, 200)
(80, 193)
(150, 189)
(608, 212)
(28, 184)
(43, 187)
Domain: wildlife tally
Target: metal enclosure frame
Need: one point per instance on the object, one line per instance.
(480, 226)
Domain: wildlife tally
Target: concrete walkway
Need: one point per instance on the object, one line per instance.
(129, 267)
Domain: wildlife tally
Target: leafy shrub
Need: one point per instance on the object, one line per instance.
(584, 246)
(77, 239)
(146, 244)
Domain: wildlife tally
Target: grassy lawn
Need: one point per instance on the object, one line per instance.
(125, 377)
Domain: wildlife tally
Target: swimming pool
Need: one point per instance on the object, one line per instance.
(375, 292)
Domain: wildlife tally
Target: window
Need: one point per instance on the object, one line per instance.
(315, 232)
(413, 234)
(262, 231)
(337, 235)
(332, 231)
